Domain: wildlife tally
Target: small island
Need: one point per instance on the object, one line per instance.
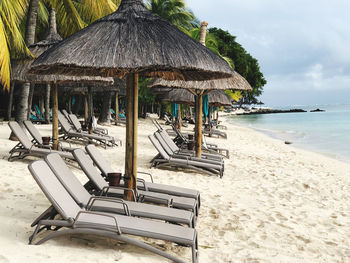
(270, 111)
(317, 110)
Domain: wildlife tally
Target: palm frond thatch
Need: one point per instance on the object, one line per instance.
(236, 82)
(20, 68)
(132, 40)
(184, 96)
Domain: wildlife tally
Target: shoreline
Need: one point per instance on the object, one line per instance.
(284, 135)
(275, 203)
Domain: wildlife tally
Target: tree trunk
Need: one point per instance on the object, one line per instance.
(131, 134)
(30, 101)
(47, 103)
(22, 107)
(9, 107)
(70, 104)
(105, 114)
(55, 117)
(86, 109)
(90, 102)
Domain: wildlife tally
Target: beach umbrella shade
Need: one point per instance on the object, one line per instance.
(20, 73)
(127, 43)
(200, 88)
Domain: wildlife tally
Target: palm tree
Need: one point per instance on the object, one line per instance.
(73, 15)
(175, 12)
(11, 40)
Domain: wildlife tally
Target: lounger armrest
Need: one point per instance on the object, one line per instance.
(150, 175)
(76, 221)
(142, 181)
(95, 199)
(169, 200)
(106, 189)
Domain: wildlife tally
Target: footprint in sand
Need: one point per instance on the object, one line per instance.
(4, 259)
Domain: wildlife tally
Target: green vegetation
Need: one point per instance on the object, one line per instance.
(244, 64)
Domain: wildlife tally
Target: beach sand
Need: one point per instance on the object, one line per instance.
(275, 203)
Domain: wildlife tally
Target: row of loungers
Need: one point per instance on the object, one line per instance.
(102, 212)
(72, 129)
(182, 140)
(170, 155)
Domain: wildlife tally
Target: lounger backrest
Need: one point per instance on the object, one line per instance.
(98, 159)
(74, 120)
(169, 141)
(53, 189)
(159, 148)
(64, 122)
(67, 178)
(20, 134)
(89, 169)
(156, 123)
(65, 113)
(163, 143)
(33, 131)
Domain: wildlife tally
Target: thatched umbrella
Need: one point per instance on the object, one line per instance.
(200, 88)
(184, 96)
(21, 73)
(128, 43)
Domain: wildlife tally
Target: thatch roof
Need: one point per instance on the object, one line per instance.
(236, 82)
(20, 68)
(119, 85)
(184, 96)
(132, 40)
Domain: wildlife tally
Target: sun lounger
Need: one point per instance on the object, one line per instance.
(181, 141)
(38, 140)
(77, 220)
(26, 148)
(211, 131)
(83, 197)
(76, 123)
(177, 197)
(168, 161)
(70, 133)
(164, 138)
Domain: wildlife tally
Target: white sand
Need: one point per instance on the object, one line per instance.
(275, 203)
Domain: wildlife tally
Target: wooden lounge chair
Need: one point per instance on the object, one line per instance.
(38, 140)
(26, 148)
(103, 204)
(77, 220)
(165, 160)
(177, 197)
(70, 133)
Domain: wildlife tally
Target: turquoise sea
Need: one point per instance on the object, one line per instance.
(326, 132)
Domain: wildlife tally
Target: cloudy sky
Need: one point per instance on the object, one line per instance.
(303, 47)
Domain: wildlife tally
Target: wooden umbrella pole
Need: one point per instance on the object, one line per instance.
(179, 117)
(209, 115)
(198, 127)
(116, 107)
(86, 109)
(131, 134)
(55, 117)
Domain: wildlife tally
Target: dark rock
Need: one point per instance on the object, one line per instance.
(287, 142)
(317, 110)
(270, 111)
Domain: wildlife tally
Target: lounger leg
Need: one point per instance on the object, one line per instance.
(122, 238)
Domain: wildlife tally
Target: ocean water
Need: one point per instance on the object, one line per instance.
(326, 132)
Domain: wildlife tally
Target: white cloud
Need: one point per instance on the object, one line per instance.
(303, 45)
